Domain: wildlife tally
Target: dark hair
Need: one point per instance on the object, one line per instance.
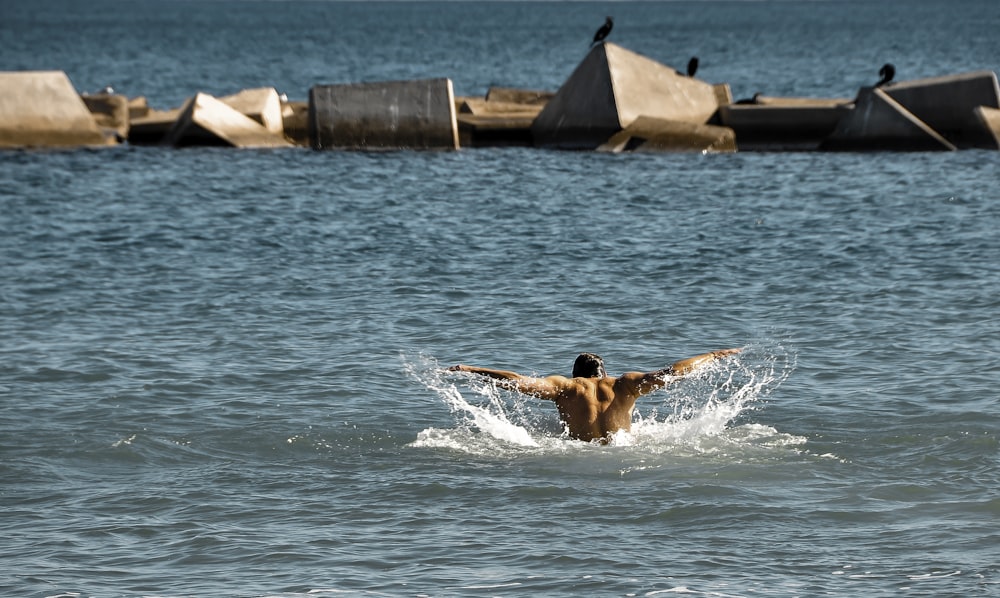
(588, 365)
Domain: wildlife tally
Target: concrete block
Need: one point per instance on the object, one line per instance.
(152, 127)
(878, 122)
(483, 107)
(138, 107)
(261, 104)
(495, 130)
(509, 95)
(947, 104)
(42, 109)
(775, 127)
(990, 119)
(384, 115)
(111, 113)
(205, 120)
(612, 87)
(295, 119)
(648, 134)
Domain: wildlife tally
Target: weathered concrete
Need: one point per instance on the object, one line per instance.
(990, 118)
(295, 119)
(111, 113)
(510, 95)
(947, 104)
(495, 130)
(879, 123)
(205, 120)
(42, 109)
(782, 127)
(612, 87)
(483, 107)
(649, 134)
(261, 104)
(152, 127)
(386, 115)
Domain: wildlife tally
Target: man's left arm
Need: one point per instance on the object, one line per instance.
(543, 388)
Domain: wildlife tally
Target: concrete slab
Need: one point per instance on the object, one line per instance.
(947, 104)
(261, 104)
(878, 122)
(205, 120)
(43, 109)
(510, 95)
(649, 134)
(495, 130)
(416, 114)
(152, 127)
(777, 127)
(612, 87)
(483, 107)
(990, 118)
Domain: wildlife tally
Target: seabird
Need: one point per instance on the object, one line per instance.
(603, 31)
(887, 72)
(692, 66)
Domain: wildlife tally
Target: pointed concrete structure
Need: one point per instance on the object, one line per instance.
(43, 109)
(205, 120)
(879, 123)
(612, 87)
(990, 118)
(648, 134)
(947, 104)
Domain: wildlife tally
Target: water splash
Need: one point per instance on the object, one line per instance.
(698, 413)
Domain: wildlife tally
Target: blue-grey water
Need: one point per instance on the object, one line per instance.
(221, 370)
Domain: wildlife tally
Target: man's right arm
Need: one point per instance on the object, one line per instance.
(543, 388)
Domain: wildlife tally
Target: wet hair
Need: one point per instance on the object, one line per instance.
(589, 365)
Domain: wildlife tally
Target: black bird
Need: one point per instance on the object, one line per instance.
(692, 66)
(603, 31)
(887, 72)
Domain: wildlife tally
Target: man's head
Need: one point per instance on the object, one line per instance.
(588, 365)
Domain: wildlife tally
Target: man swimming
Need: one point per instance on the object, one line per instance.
(591, 404)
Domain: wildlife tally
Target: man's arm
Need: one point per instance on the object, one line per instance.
(543, 388)
(648, 382)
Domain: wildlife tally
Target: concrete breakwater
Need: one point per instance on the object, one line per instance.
(614, 101)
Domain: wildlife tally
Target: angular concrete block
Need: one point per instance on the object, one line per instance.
(648, 134)
(111, 113)
(790, 127)
(384, 115)
(879, 123)
(990, 119)
(261, 104)
(295, 118)
(42, 109)
(612, 87)
(947, 104)
(205, 120)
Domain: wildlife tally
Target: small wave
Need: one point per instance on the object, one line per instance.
(694, 415)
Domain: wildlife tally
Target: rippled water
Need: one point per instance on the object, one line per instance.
(221, 371)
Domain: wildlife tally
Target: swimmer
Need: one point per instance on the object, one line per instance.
(591, 404)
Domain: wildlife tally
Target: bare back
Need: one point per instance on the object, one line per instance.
(596, 408)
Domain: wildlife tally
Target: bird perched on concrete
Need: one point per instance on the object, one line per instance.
(692, 66)
(603, 31)
(887, 72)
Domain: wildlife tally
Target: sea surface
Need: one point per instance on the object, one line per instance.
(222, 372)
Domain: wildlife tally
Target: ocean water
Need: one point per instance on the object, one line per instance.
(222, 372)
